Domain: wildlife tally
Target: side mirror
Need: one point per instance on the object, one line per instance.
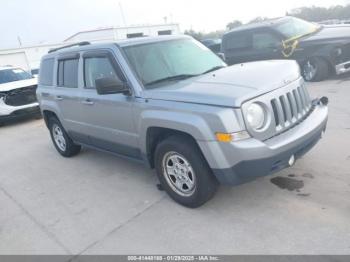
(111, 85)
(221, 55)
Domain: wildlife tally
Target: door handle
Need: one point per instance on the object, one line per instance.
(88, 102)
(59, 98)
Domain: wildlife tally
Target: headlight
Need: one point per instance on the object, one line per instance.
(255, 116)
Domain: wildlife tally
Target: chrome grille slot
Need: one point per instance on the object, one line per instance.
(301, 101)
(286, 110)
(293, 105)
(297, 100)
(275, 111)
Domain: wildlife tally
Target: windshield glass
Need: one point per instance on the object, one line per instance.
(294, 27)
(13, 74)
(168, 59)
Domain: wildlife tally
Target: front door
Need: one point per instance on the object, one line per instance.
(108, 119)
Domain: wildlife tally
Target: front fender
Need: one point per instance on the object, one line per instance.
(191, 124)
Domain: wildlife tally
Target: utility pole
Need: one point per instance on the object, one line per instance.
(122, 13)
(19, 41)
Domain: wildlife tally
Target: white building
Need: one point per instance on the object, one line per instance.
(115, 33)
(29, 57)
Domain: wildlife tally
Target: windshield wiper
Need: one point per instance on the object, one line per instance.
(213, 69)
(170, 78)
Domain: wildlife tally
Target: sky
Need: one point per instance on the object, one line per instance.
(50, 21)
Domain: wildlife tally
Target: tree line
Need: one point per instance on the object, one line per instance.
(312, 14)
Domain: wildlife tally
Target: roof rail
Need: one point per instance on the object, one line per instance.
(67, 46)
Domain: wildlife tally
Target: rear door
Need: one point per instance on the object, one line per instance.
(67, 94)
(108, 119)
(252, 45)
(266, 45)
(237, 47)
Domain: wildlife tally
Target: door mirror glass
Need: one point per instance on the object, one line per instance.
(110, 85)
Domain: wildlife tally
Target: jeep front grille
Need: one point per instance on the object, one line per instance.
(285, 107)
(290, 107)
(21, 96)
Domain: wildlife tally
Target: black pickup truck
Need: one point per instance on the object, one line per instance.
(319, 49)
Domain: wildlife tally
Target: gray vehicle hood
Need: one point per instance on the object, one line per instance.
(229, 86)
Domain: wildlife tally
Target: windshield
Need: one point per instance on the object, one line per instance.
(294, 27)
(13, 74)
(168, 59)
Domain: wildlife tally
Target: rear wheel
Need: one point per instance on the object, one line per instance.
(62, 142)
(315, 69)
(183, 171)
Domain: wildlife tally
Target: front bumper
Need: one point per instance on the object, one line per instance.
(242, 161)
(342, 68)
(14, 112)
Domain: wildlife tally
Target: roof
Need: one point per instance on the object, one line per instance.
(121, 43)
(148, 39)
(265, 23)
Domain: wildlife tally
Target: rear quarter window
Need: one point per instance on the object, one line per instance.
(46, 72)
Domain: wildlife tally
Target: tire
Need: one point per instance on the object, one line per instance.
(315, 69)
(189, 185)
(62, 142)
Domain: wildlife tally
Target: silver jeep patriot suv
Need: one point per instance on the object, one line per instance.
(174, 105)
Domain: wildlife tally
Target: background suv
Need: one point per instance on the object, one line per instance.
(17, 94)
(319, 49)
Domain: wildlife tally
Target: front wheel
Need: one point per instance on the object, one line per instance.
(315, 69)
(183, 171)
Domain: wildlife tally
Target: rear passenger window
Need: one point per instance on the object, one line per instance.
(96, 68)
(264, 40)
(238, 42)
(68, 73)
(46, 72)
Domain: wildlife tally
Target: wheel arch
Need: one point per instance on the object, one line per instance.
(47, 114)
(156, 134)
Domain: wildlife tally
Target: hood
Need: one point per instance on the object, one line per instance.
(229, 86)
(18, 84)
(331, 32)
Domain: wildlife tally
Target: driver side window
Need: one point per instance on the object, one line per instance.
(96, 68)
(264, 40)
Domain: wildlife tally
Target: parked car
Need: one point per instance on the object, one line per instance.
(17, 94)
(35, 72)
(213, 44)
(319, 49)
(172, 104)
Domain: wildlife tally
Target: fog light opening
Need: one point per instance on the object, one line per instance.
(291, 160)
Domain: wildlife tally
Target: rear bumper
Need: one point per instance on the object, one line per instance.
(342, 68)
(242, 161)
